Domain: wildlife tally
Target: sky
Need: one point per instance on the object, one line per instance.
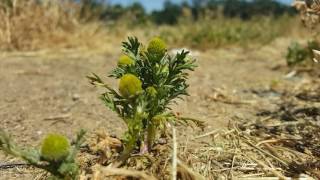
(157, 4)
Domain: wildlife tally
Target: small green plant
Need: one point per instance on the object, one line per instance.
(56, 155)
(147, 88)
(298, 53)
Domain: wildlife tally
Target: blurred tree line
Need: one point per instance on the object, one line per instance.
(194, 9)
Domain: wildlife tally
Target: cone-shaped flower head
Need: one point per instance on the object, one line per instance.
(55, 147)
(125, 60)
(157, 48)
(151, 91)
(130, 85)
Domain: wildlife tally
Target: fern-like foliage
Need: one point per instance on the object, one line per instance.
(163, 80)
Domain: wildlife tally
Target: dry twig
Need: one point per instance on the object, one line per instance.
(110, 171)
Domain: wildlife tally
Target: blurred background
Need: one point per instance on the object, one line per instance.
(30, 25)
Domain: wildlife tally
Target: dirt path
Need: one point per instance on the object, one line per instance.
(41, 94)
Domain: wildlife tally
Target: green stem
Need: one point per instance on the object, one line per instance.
(129, 147)
(150, 135)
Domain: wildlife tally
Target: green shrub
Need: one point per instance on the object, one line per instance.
(147, 88)
(298, 53)
(221, 32)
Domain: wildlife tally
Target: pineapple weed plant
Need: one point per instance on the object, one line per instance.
(150, 80)
(56, 155)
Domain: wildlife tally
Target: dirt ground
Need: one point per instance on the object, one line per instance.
(50, 93)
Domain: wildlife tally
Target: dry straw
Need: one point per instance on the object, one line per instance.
(33, 25)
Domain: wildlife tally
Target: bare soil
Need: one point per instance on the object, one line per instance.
(50, 93)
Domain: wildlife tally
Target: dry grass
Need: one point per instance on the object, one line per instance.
(281, 143)
(245, 151)
(216, 33)
(236, 154)
(31, 25)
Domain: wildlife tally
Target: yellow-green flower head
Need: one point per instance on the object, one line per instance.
(157, 48)
(125, 60)
(55, 147)
(130, 85)
(151, 91)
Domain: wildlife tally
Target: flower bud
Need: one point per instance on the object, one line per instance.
(130, 85)
(125, 60)
(157, 49)
(151, 91)
(165, 70)
(55, 147)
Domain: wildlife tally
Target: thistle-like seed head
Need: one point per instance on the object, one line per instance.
(55, 147)
(151, 91)
(157, 48)
(125, 60)
(130, 85)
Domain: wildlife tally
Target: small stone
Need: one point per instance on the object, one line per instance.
(162, 141)
(75, 97)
